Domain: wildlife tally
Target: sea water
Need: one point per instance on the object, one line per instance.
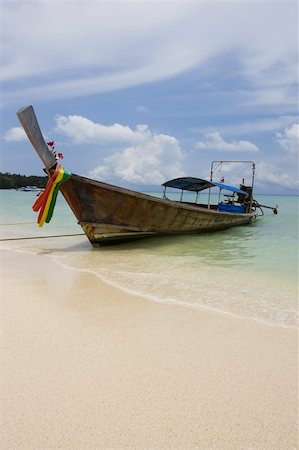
(248, 271)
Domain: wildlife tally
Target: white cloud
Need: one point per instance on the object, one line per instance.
(83, 130)
(144, 157)
(289, 139)
(152, 163)
(112, 45)
(141, 108)
(116, 45)
(214, 141)
(269, 176)
(15, 134)
(254, 126)
(269, 97)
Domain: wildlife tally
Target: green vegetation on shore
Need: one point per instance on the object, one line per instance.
(15, 181)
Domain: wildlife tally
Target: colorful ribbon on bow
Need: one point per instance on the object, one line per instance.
(46, 201)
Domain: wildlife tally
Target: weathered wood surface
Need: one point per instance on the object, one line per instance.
(31, 127)
(109, 213)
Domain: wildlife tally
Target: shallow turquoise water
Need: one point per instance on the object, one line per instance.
(249, 271)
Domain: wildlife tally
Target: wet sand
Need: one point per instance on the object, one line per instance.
(87, 366)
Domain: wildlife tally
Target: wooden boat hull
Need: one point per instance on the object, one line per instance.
(110, 214)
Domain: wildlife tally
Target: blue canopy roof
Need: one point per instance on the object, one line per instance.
(198, 184)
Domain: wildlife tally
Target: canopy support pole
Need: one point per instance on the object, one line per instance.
(219, 195)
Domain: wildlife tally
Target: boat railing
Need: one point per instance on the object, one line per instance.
(220, 164)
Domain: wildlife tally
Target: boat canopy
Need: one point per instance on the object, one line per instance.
(198, 184)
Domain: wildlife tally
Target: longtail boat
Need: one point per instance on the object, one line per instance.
(109, 214)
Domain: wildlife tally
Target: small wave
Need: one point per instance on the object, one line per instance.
(229, 305)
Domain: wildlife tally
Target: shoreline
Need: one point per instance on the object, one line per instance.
(290, 289)
(170, 302)
(86, 365)
(142, 295)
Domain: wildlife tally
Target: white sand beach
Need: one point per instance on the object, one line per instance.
(86, 366)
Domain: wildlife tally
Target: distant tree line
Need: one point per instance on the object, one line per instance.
(15, 181)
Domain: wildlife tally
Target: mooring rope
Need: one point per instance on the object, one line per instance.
(41, 237)
(18, 223)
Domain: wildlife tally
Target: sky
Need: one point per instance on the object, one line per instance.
(138, 92)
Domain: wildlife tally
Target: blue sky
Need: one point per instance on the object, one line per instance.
(135, 93)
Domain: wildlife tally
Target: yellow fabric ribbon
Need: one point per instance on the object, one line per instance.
(49, 199)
